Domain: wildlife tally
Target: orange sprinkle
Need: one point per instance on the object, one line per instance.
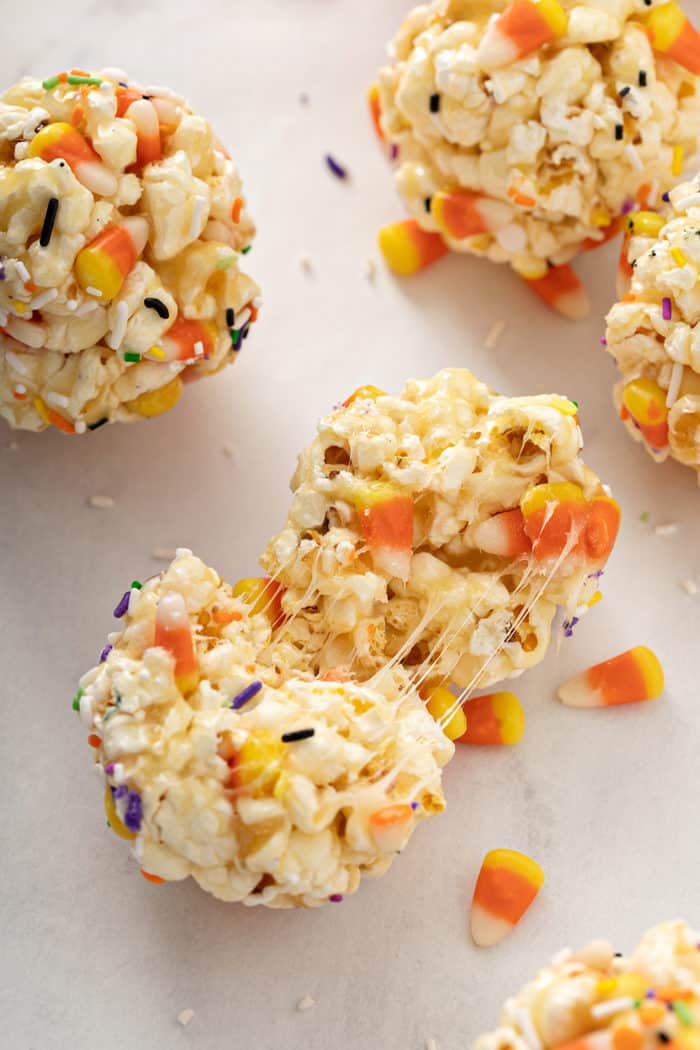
(251, 668)
(651, 1013)
(253, 314)
(19, 397)
(62, 77)
(236, 209)
(94, 740)
(225, 616)
(629, 298)
(60, 422)
(77, 115)
(155, 879)
(671, 992)
(30, 286)
(627, 1038)
(643, 193)
(80, 73)
(521, 198)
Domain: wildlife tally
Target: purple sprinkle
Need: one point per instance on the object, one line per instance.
(650, 994)
(123, 605)
(109, 769)
(665, 197)
(393, 151)
(666, 308)
(337, 169)
(105, 652)
(119, 792)
(133, 813)
(2, 271)
(246, 694)
(603, 341)
(627, 206)
(595, 575)
(415, 805)
(336, 898)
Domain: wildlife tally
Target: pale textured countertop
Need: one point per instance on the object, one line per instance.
(93, 957)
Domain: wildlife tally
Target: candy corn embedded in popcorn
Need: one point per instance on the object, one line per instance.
(122, 226)
(599, 999)
(653, 332)
(523, 131)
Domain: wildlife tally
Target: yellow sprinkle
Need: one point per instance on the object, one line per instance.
(677, 162)
(41, 409)
(600, 217)
(678, 256)
(18, 307)
(606, 985)
(155, 351)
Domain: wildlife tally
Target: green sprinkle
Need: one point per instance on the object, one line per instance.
(50, 84)
(76, 699)
(74, 79)
(131, 356)
(226, 264)
(637, 1003)
(683, 1013)
(644, 516)
(234, 336)
(574, 402)
(136, 585)
(244, 251)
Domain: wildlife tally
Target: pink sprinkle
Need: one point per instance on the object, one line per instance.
(627, 206)
(666, 308)
(336, 898)
(394, 151)
(603, 341)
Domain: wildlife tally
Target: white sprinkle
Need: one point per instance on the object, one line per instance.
(305, 263)
(675, 384)
(86, 308)
(185, 1016)
(524, 1021)
(17, 363)
(93, 291)
(494, 334)
(305, 1004)
(199, 348)
(118, 773)
(690, 201)
(431, 1044)
(20, 389)
(669, 529)
(101, 502)
(689, 586)
(79, 426)
(58, 399)
(370, 269)
(3, 318)
(22, 271)
(163, 553)
(633, 157)
(72, 304)
(612, 1006)
(198, 206)
(117, 334)
(243, 318)
(44, 298)
(653, 194)
(227, 449)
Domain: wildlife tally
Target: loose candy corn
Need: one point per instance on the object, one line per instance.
(173, 633)
(672, 35)
(561, 289)
(101, 267)
(507, 885)
(523, 27)
(632, 676)
(408, 249)
(494, 719)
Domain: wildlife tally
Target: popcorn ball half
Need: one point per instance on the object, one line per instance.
(270, 791)
(438, 531)
(595, 1000)
(121, 225)
(521, 132)
(654, 332)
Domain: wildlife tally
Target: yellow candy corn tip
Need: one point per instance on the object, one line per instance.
(399, 251)
(652, 671)
(645, 223)
(253, 591)
(156, 402)
(554, 492)
(48, 136)
(664, 25)
(95, 269)
(509, 712)
(373, 493)
(517, 863)
(259, 759)
(115, 821)
(441, 700)
(187, 683)
(639, 395)
(554, 15)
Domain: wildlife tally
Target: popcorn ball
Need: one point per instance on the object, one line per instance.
(266, 789)
(521, 132)
(653, 332)
(438, 531)
(596, 999)
(122, 222)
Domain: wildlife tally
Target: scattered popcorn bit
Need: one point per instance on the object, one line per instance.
(431, 1044)
(668, 529)
(370, 269)
(307, 1003)
(689, 586)
(184, 1017)
(305, 263)
(101, 502)
(163, 553)
(494, 334)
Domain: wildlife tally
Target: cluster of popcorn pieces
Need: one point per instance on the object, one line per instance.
(122, 223)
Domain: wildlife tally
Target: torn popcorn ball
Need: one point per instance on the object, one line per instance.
(121, 225)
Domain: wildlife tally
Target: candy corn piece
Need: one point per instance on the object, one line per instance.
(497, 719)
(264, 595)
(623, 279)
(464, 214)
(125, 97)
(173, 632)
(153, 403)
(64, 142)
(144, 115)
(625, 679)
(101, 267)
(503, 534)
(447, 711)
(609, 232)
(554, 516)
(600, 528)
(644, 402)
(186, 340)
(506, 887)
(408, 249)
(390, 826)
(363, 393)
(386, 523)
(561, 289)
(671, 34)
(375, 111)
(522, 28)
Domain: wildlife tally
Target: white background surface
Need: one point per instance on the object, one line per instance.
(92, 955)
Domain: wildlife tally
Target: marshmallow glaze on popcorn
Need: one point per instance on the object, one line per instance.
(266, 789)
(594, 999)
(121, 225)
(520, 131)
(654, 332)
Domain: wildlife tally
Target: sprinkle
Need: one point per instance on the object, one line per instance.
(494, 334)
(118, 332)
(131, 355)
(20, 392)
(393, 151)
(22, 271)
(336, 898)
(74, 79)
(619, 131)
(633, 157)
(642, 78)
(94, 292)
(198, 348)
(665, 197)
(101, 502)
(41, 409)
(133, 812)
(230, 317)
(415, 806)
(242, 698)
(244, 251)
(163, 553)
(623, 92)
(678, 257)
(236, 209)
(612, 1006)
(628, 206)
(2, 271)
(682, 1012)
(18, 306)
(335, 168)
(305, 1004)
(157, 352)
(46, 297)
(235, 338)
(49, 220)
(185, 1016)
(427, 204)
(58, 399)
(50, 83)
(674, 385)
(434, 103)
(666, 308)
(677, 161)
(98, 424)
(689, 586)
(644, 516)
(669, 529)
(122, 605)
(136, 585)
(80, 427)
(524, 1020)
(198, 207)
(603, 341)
(151, 303)
(76, 699)
(71, 304)
(297, 734)
(663, 1037)
(103, 656)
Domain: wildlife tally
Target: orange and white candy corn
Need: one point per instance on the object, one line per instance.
(62, 141)
(102, 266)
(464, 214)
(386, 523)
(144, 116)
(408, 249)
(495, 719)
(644, 402)
(503, 534)
(173, 632)
(632, 676)
(522, 28)
(506, 887)
(671, 34)
(185, 340)
(561, 289)
(391, 826)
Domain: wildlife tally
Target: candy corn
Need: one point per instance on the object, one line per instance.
(523, 27)
(173, 632)
(671, 34)
(144, 115)
(390, 826)
(506, 887)
(561, 289)
(644, 402)
(155, 402)
(386, 523)
(263, 595)
(503, 534)
(600, 528)
(465, 214)
(440, 702)
(375, 111)
(64, 142)
(408, 249)
(186, 340)
(554, 515)
(100, 268)
(625, 679)
(362, 393)
(497, 718)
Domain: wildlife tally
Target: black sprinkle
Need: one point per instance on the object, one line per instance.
(298, 734)
(619, 131)
(428, 202)
(435, 103)
(624, 91)
(642, 78)
(49, 220)
(618, 955)
(230, 317)
(648, 2)
(99, 423)
(158, 305)
(663, 1038)
(246, 331)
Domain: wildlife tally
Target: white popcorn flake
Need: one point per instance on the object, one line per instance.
(185, 1016)
(307, 1003)
(101, 502)
(667, 529)
(689, 586)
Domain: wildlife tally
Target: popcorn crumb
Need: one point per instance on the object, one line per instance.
(431, 1044)
(305, 263)
(305, 1004)
(185, 1016)
(669, 529)
(689, 586)
(370, 269)
(494, 334)
(101, 502)
(163, 553)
